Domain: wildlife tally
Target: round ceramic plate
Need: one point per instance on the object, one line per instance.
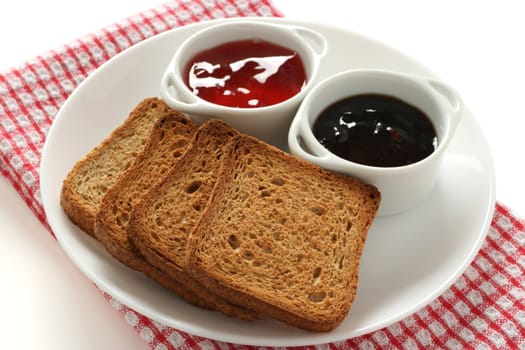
(409, 259)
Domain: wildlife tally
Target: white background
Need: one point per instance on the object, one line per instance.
(475, 46)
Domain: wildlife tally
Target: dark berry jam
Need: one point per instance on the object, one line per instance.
(376, 130)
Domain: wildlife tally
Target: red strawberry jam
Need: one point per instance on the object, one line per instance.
(246, 74)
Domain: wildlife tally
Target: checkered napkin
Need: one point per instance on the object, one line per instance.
(485, 308)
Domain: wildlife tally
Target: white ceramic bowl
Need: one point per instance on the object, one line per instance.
(270, 123)
(401, 187)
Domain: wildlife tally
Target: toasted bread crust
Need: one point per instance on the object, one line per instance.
(282, 236)
(166, 144)
(160, 224)
(91, 177)
(95, 174)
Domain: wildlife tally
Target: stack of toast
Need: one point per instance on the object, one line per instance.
(224, 220)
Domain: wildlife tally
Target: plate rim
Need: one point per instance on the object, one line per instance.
(321, 338)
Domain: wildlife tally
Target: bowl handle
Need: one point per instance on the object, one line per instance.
(451, 97)
(191, 105)
(302, 143)
(317, 42)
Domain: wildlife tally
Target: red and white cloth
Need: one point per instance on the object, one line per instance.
(484, 309)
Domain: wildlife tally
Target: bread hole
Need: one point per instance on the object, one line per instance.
(278, 200)
(249, 161)
(193, 187)
(197, 206)
(317, 274)
(348, 225)
(277, 181)
(341, 261)
(179, 144)
(334, 238)
(162, 134)
(317, 210)
(265, 193)
(249, 174)
(281, 221)
(177, 154)
(317, 297)
(256, 263)
(233, 241)
(247, 255)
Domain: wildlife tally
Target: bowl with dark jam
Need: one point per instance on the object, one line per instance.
(251, 74)
(387, 128)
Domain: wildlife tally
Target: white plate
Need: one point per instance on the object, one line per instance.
(409, 259)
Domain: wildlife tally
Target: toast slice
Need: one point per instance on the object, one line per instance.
(96, 173)
(93, 175)
(282, 237)
(168, 141)
(161, 222)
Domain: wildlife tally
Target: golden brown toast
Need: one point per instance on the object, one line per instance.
(167, 143)
(282, 237)
(161, 223)
(93, 175)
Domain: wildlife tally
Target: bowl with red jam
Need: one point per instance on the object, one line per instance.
(251, 74)
(387, 128)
